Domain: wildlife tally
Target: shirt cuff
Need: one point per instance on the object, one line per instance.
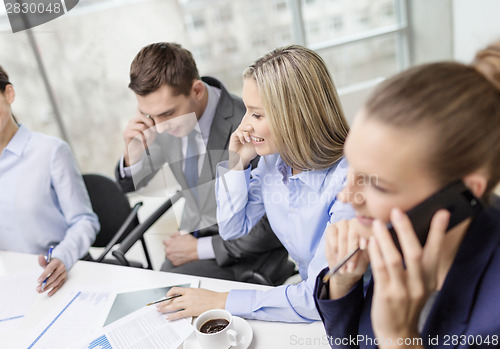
(223, 169)
(239, 302)
(205, 248)
(126, 172)
(59, 254)
(232, 190)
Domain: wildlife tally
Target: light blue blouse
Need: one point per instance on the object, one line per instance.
(299, 208)
(43, 199)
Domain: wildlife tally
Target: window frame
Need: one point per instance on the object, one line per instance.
(400, 30)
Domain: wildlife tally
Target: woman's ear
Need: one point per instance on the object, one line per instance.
(476, 182)
(10, 94)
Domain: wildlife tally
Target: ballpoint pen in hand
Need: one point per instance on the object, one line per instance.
(146, 145)
(339, 265)
(48, 259)
(165, 299)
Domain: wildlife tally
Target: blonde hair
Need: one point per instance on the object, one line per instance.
(301, 103)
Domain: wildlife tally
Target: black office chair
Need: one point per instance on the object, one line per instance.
(273, 270)
(115, 215)
(138, 232)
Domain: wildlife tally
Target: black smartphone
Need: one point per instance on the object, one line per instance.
(455, 197)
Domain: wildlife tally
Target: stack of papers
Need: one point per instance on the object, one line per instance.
(81, 314)
(144, 328)
(129, 322)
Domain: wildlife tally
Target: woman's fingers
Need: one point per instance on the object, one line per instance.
(407, 237)
(331, 244)
(192, 302)
(179, 315)
(48, 271)
(432, 248)
(240, 136)
(342, 238)
(352, 244)
(54, 277)
(174, 291)
(342, 245)
(403, 280)
(437, 232)
(54, 274)
(243, 133)
(377, 263)
(387, 262)
(57, 284)
(391, 258)
(246, 136)
(170, 305)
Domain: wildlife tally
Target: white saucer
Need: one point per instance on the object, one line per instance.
(241, 326)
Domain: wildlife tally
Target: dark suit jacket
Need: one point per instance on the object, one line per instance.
(202, 214)
(468, 304)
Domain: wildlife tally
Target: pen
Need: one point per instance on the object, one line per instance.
(339, 265)
(165, 299)
(48, 259)
(145, 143)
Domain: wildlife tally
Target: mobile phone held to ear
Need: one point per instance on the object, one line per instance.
(455, 197)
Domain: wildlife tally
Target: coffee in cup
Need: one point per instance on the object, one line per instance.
(214, 326)
(215, 330)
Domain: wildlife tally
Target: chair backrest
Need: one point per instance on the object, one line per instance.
(273, 270)
(111, 206)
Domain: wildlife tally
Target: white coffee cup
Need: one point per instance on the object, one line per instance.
(225, 338)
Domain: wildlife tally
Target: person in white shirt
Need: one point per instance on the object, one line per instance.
(43, 201)
(295, 122)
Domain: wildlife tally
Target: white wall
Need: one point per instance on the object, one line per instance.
(476, 23)
(431, 23)
(352, 99)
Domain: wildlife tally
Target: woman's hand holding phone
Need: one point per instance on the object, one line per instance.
(342, 238)
(401, 289)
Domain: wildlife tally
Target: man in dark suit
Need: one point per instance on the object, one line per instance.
(186, 122)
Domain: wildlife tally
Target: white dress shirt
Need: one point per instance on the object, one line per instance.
(43, 199)
(298, 207)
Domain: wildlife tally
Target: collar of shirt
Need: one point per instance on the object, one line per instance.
(18, 142)
(203, 126)
(206, 119)
(312, 178)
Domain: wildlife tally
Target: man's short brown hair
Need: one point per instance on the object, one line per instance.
(163, 63)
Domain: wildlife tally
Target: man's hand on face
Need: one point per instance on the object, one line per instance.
(139, 133)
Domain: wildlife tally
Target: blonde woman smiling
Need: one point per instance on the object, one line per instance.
(294, 121)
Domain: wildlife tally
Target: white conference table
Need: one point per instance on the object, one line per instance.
(116, 278)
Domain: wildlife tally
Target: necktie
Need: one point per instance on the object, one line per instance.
(191, 164)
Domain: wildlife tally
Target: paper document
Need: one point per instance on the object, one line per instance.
(128, 302)
(81, 314)
(17, 293)
(144, 328)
